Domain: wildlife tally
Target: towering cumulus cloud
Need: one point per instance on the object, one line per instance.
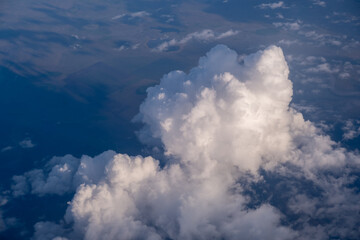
(223, 114)
(241, 164)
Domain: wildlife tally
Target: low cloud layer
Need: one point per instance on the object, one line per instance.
(240, 163)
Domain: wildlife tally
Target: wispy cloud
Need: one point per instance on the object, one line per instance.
(139, 14)
(323, 38)
(289, 25)
(5, 149)
(26, 143)
(343, 17)
(324, 68)
(288, 42)
(204, 35)
(319, 3)
(351, 129)
(274, 5)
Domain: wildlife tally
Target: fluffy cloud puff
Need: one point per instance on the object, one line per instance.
(240, 163)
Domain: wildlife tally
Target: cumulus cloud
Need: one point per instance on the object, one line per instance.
(274, 5)
(351, 129)
(165, 203)
(26, 143)
(204, 35)
(61, 175)
(240, 162)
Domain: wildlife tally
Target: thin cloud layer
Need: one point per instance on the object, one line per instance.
(241, 162)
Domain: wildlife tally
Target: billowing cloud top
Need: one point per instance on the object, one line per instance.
(223, 110)
(225, 128)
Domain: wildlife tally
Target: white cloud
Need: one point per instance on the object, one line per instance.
(323, 67)
(274, 5)
(177, 205)
(139, 14)
(314, 35)
(349, 71)
(27, 143)
(225, 127)
(5, 222)
(344, 17)
(335, 42)
(288, 42)
(351, 129)
(5, 149)
(204, 35)
(226, 34)
(3, 226)
(127, 47)
(294, 26)
(319, 3)
(193, 107)
(333, 201)
(47, 231)
(61, 175)
(302, 108)
(322, 38)
(279, 15)
(344, 75)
